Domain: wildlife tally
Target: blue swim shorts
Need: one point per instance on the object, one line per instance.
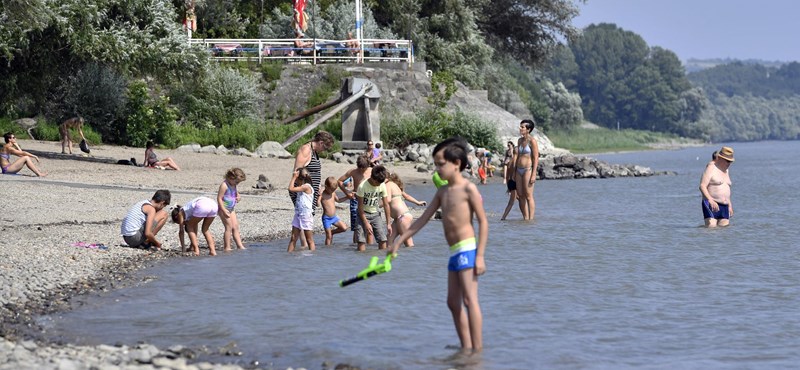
(723, 213)
(462, 255)
(329, 221)
(353, 213)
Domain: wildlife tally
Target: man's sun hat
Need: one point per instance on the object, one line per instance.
(726, 153)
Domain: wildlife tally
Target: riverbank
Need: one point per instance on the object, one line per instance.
(42, 220)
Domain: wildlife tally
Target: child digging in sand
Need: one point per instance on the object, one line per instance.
(460, 201)
(303, 206)
(329, 218)
(227, 198)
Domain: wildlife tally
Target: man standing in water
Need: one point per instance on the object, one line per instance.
(716, 189)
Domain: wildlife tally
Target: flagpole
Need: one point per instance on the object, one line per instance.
(359, 31)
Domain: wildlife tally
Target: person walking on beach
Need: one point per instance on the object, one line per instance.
(25, 159)
(357, 175)
(715, 186)
(401, 216)
(526, 166)
(303, 220)
(372, 195)
(329, 217)
(188, 219)
(144, 220)
(151, 159)
(227, 198)
(63, 131)
(460, 202)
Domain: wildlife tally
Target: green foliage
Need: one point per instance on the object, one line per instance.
(148, 119)
(271, 71)
(565, 107)
(331, 83)
(526, 30)
(218, 98)
(739, 78)
(622, 80)
(581, 140)
(434, 125)
(96, 93)
(249, 134)
(48, 131)
(443, 86)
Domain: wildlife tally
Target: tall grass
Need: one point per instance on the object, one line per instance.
(597, 140)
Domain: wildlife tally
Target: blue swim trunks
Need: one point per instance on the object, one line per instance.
(723, 213)
(353, 213)
(462, 255)
(328, 221)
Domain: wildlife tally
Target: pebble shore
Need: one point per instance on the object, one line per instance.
(42, 218)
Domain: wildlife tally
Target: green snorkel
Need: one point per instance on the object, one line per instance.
(373, 269)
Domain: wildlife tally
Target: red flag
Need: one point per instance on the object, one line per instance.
(299, 19)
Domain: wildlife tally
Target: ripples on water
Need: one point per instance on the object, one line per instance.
(614, 273)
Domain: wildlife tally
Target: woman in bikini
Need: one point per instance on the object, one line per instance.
(526, 165)
(151, 159)
(25, 159)
(399, 211)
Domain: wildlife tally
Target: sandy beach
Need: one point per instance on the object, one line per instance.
(79, 201)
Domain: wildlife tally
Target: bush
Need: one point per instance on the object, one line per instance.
(434, 125)
(331, 82)
(48, 131)
(227, 95)
(96, 93)
(271, 71)
(148, 119)
(249, 134)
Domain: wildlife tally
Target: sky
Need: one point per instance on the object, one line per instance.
(704, 29)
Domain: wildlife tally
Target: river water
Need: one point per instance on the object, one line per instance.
(613, 273)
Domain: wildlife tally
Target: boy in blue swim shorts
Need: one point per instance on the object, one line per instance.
(329, 218)
(460, 202)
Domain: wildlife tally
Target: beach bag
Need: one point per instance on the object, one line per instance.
(84, 146)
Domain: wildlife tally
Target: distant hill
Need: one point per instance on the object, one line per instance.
(696, 65)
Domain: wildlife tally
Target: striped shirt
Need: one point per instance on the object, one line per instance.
(314, 168)
(134, 220)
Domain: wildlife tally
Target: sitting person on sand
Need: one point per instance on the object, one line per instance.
(144, 220)
(151, 159)
(25, 159)
(63, 131)
(188, 218)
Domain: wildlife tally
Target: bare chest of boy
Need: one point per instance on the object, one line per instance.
(456, 215)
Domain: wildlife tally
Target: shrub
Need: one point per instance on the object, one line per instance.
(271, 71)
(97, 93)
(48, 131)
(434, 125)
(148, 119)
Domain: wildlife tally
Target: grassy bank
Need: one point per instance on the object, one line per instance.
(599, 140)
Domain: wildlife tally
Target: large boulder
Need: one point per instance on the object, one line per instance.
(272, 149)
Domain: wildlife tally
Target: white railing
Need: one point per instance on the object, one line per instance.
(312, 51)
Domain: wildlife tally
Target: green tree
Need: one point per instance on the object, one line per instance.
(527, 30)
